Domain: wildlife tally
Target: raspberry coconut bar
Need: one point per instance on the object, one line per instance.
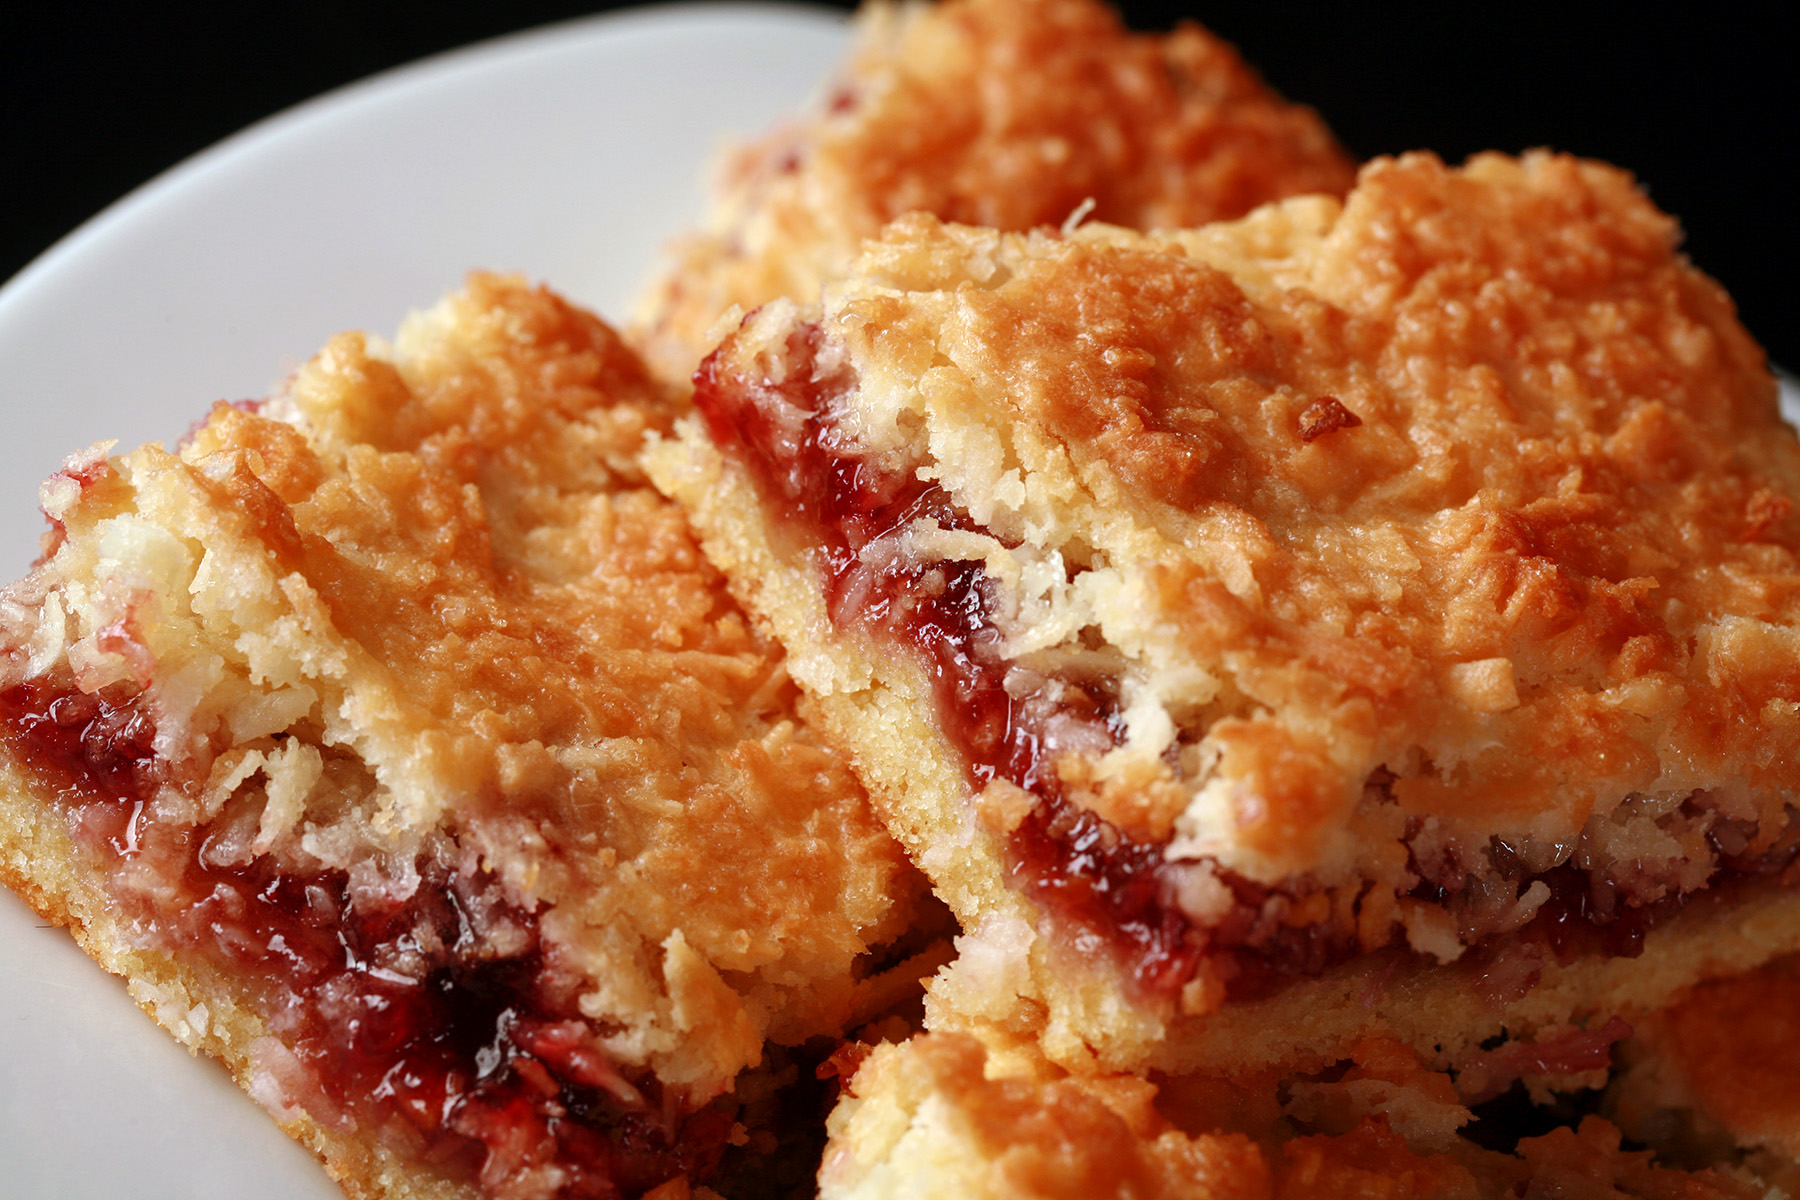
(1366, 618)
(946, 1115)
(1009, 113)
(397, 744)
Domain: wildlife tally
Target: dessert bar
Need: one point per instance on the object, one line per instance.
(1372, 617)
(945, 1115)
(395, 742)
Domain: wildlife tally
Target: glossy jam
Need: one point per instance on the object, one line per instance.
(395, 1014)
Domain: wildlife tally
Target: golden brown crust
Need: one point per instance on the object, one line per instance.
(422, 620)
(943, 1114)
(924, 1118)
(1005, 113)
(1537, 595)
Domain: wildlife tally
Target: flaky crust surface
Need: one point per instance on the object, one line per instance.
(1455, 515)
(1004, 113)
(422, 618)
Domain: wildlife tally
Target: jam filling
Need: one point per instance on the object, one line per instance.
(1063, 856)
(1067, 859)
(406, 1015)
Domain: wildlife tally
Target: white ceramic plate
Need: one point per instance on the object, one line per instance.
(570, 154)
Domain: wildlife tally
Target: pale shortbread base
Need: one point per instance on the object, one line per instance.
(879, 704)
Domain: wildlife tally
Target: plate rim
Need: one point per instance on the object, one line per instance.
(487, 54)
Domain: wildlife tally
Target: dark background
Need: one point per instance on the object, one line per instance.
(99, 98)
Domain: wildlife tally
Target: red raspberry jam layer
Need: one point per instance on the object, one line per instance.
(1068, 860)
(1064, 857)
(435, 1018)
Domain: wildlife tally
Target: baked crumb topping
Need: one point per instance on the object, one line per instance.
(1506, 652)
